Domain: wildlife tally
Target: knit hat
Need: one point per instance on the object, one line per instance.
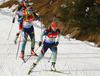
(54, 24)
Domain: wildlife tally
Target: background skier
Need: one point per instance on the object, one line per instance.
(28, 29)
(21, 9)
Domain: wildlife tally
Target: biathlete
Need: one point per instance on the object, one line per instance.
(28, 29)
(21, 9)
(52, 36)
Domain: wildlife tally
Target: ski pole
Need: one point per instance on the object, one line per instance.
(18, 45)
(50, 57)
(10, 31)
(37, 49)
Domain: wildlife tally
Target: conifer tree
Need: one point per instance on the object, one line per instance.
(86, 16)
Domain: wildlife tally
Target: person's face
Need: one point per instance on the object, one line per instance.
(26, 4)
(54, 28)
(30, 12)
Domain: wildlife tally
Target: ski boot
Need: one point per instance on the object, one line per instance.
(33, 53)
(31, 68)
(53, 66)
(22, 54)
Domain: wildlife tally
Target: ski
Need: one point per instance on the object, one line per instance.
(27, 57)
(30, 71)
(32, 55)
(23, 60)
(57, 71)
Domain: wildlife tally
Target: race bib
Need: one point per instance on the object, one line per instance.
(28, 23)
(50, 39)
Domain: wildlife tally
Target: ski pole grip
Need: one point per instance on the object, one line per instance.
(13, 21)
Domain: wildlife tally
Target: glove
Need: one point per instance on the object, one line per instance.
(56, 43)
(20, 20)
(40, 43)
(13, 21)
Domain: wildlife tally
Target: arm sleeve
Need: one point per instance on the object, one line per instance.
(36, 16)
(45, 32)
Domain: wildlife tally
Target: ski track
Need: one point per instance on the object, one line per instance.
(77, 57)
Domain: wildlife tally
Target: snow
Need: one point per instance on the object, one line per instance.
(64, 5)
(2, 1)
(74, 56)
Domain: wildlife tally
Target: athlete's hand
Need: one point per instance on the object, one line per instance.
(20, 20)
(56, 43)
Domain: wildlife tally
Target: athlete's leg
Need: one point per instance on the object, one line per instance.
(42, 52)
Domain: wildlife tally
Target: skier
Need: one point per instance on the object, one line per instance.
(52, 35)
(21, 9)
(28, 29)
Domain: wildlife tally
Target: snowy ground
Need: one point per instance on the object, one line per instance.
(77, 57)
(2, 1)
